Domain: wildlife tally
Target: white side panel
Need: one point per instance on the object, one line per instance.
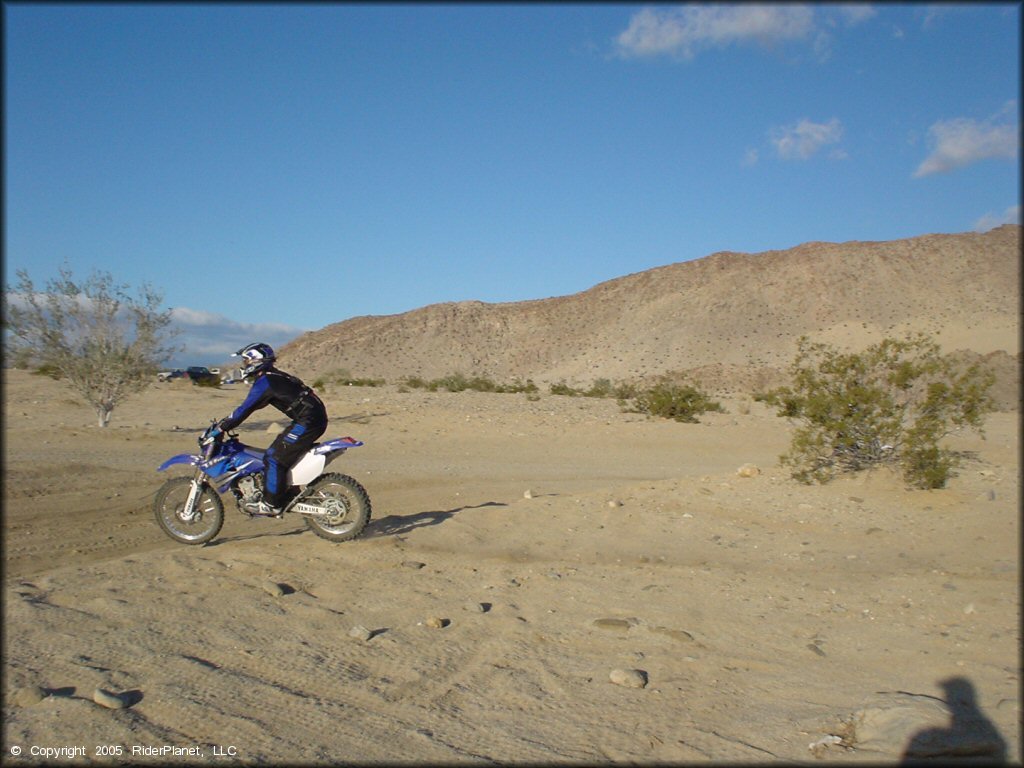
(306, 470)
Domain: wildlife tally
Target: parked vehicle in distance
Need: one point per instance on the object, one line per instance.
(200, 374)
(196, 373)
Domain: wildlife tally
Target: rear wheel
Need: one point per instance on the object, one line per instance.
(169, 508)
(345, 505)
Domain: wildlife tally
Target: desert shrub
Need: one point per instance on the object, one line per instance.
(341, 377)
(518, 386)
(483, 384)
(890, 404)
(607, 388)
(458, 382)
(210, 381)
(46, 369)
(102, 342)
(561, 388)
(673, 400)
(414, 382)
(784, 399)
(600, 388)
(336, 375)
(624, 391)
(454, 382)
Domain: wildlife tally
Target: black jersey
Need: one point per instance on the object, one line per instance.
(285, 392)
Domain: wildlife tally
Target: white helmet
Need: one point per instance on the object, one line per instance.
(255, 357)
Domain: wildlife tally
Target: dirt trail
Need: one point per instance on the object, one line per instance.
(763, 614)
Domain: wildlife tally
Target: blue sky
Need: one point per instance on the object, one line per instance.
(278, 168)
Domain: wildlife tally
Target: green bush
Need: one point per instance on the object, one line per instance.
(458, 382)
(414, 382)
(518, 386)
(623, 392)
(607, 388)
(47, 369)
(672, 400)
(342, 378)
(784, 399)
(888, 405)
(561, 388)
(600, 388)
(454, 382)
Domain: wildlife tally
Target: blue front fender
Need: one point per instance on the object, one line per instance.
(181, 458)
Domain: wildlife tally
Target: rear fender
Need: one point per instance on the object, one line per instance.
(341, 444)
(181, 458)
(309, 467)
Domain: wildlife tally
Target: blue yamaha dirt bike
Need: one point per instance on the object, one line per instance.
(189, 509)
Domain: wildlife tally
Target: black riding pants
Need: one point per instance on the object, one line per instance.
(282, 455)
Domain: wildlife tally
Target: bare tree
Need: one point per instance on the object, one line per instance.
(106, 344)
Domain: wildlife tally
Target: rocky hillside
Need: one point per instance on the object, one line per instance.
(730, 319)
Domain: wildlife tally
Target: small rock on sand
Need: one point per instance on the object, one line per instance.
(615, 625)
(629, 678)
(29, 696)
(273, 589)
(360, 632)
(109, 700)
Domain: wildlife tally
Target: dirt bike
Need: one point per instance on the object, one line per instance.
(189, 509)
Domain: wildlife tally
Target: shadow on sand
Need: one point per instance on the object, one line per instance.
(255, 535)
(397, 525)
(970, 736)
(392, 525)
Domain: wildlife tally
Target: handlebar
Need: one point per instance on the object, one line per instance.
(211, 437)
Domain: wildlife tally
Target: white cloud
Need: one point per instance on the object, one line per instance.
(992, 220)
(207, 338)
(803, 139)
(963, 141)
(683, 31)
(750, 158)
(933, 13)
(210, 338)
(855, 14)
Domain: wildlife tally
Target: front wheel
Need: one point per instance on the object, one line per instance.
(345, 505)
(169, 508)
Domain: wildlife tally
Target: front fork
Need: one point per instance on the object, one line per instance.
(188, 513)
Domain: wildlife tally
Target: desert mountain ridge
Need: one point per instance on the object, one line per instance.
(729, 320)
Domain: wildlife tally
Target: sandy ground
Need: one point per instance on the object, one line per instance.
(758, 615)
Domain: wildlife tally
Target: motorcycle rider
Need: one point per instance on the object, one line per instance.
(295, 400)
